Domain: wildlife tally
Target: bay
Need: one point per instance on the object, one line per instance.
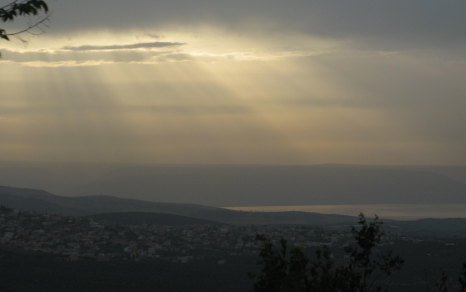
(384, 211)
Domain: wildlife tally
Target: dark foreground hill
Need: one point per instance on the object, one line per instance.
(43, 272)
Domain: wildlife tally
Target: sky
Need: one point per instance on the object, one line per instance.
(238, 82)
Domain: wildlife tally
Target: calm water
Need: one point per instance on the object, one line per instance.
(389, 211)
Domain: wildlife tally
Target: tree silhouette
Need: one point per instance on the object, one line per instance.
(21, 8)
(442, 285)
(295, 273)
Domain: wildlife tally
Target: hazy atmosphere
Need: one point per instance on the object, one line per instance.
(238, 82)
(227, 146)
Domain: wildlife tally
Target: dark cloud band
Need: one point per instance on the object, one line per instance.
(123, 47)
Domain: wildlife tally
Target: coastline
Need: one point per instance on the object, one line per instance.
(384, 211)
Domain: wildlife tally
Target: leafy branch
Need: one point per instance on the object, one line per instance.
(19, 8)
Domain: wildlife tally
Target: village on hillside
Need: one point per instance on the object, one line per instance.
(74, 238)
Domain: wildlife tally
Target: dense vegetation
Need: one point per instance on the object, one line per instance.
(20, 272)
(363, 271)
(424, 262)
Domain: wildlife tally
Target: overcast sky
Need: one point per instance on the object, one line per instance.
(248, 82)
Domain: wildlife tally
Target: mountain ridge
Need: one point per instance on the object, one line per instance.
(90, 205)
(136, 210)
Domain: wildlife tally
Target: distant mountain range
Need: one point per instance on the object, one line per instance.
(138, 212)
(235, 185)
(41, 201)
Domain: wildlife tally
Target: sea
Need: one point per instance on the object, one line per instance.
(385, 211)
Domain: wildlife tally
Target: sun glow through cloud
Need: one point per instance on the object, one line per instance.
(225, 94)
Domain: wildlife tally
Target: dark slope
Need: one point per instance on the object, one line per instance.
(106, 204)
(25, 192)
(148, 218)
(41, 201)
(38, 205)
(430, 226)
(42, 272)
(80, 206)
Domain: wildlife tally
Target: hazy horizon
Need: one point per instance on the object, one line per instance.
(245, 185)
(239, 103)
(125, 125)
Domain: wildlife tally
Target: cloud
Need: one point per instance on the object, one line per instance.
(385, 24)
(88, 55)
(123, 47)
(321, 75)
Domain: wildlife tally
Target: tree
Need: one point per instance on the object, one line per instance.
(295, 273)
(443, 286)
(17, 8)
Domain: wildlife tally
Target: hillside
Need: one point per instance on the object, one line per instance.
(139, 211)
(41, 201)
(148, 218)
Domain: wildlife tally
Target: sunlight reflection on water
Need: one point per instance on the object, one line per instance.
(386, 211)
